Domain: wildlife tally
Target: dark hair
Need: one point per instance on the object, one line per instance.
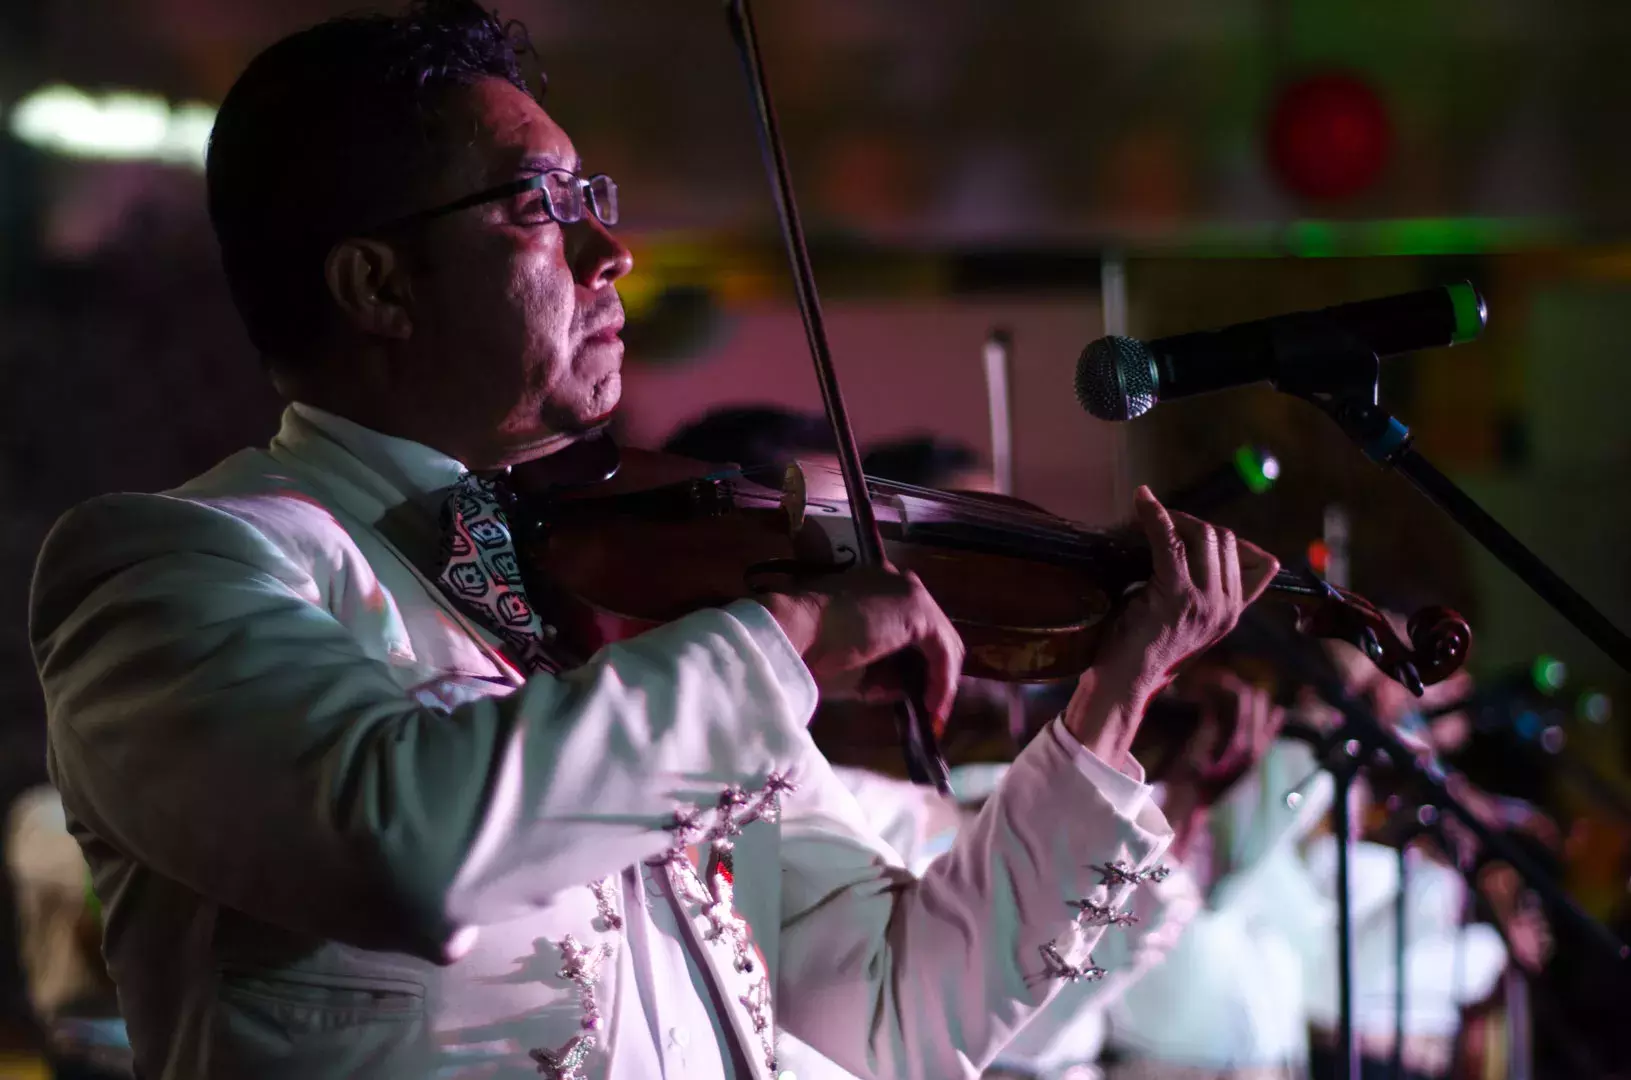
(752, 435)
(923, 460)
(328, 133)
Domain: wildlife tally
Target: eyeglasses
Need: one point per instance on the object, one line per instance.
(564, 197)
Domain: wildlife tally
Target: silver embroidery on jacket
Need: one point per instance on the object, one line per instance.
(735, 809)
(723, 921)
(757, 1003)
(1093, 913)
(1120, 873)
(1060, 968)
(776, 785)
(687, 829)
(605, 891)
(567, 1062)
(580, 965)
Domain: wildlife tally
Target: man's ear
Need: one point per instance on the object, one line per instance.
(369, 284)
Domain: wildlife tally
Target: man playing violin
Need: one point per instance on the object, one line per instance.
(348, 812)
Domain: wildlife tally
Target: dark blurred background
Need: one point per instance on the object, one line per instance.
(961, 165)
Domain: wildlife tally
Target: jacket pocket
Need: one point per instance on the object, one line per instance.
(284, 1024)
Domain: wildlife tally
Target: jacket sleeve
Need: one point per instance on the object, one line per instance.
(1071, 1030)
(209, 718)
(928, 978)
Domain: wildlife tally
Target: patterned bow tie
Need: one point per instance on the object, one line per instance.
(481, 572)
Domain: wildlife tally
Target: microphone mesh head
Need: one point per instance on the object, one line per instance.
(1115, 378)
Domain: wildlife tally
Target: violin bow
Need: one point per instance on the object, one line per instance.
(919, 744)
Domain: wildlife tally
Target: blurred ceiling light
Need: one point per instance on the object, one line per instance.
(114, 126)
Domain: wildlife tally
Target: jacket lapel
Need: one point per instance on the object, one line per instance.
(733, 962)
(368, 504)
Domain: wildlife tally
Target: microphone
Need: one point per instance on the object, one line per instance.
(1118, 378)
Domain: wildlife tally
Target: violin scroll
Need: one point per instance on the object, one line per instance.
(1437, 645)
(1441, 639)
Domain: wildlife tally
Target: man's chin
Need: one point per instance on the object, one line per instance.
(604, 400)
(595, 412)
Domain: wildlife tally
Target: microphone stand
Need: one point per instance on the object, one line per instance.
(1341, 751)
(1341, 377)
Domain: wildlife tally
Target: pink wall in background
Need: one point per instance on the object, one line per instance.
(914, 367)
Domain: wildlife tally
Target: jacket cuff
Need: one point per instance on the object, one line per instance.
(791, 674)
(1125, 790)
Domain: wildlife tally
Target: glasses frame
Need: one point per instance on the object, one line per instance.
(586, 194)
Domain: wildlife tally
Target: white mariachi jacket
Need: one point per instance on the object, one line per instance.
(337, 835)
(922, 825)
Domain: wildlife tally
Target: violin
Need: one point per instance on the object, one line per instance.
(647, 538)
(640, 539)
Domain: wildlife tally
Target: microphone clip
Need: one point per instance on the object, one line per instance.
(1334, 371)
(1323, 363)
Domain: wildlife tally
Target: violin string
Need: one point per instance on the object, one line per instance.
(975, 510)
(1037, 524)
(1015, 526)
(984, 510)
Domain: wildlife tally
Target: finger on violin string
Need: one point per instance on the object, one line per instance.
(1229, 557)
(1257, 569)
(1170, 565)
(1200, 540)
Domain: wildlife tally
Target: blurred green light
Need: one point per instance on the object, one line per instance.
(1470, 313)
(1549, 674)
(1334, 238)
(1258, 469)
(1596, 708)
(1313, 239)
(1325, 239)
(1432, 236)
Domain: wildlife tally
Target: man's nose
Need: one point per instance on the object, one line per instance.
(600, 258)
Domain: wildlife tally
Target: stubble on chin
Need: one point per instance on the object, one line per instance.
(605, 397)
(556, 424)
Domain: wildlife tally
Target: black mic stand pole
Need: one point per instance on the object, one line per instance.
(1414, 828)
(1387, 441)
(1341, 377)
(1340, 758)
(1343, 768)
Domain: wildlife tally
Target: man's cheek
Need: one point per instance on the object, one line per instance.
(545, 304)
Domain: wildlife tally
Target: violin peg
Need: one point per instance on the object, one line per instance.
(1370, 644)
